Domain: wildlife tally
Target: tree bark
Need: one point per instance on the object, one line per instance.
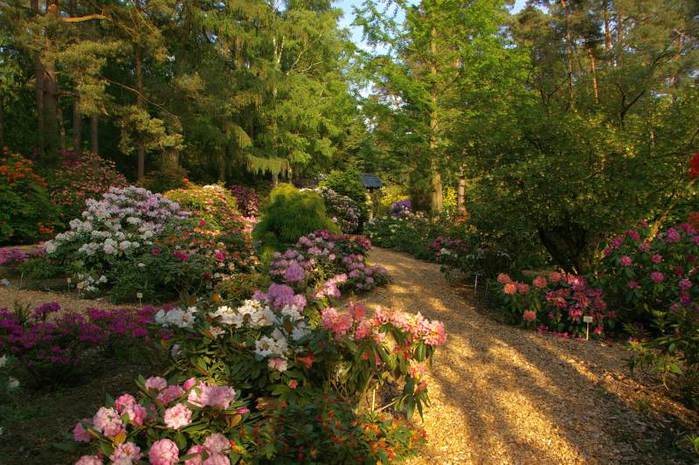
(607, 29)
(77, 124)
(437, 200)
(593, 72)
(2, 125)
(94, 134)
(141, 147)
(569, 55)
(51, 107)
(461, 192)
(39, 91)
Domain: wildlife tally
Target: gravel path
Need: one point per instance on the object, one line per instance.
(503, 395)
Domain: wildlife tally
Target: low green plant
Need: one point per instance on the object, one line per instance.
(290, 214)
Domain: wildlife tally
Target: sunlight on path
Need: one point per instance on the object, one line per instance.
(501, 395)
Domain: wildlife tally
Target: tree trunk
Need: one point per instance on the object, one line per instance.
(607, 30)
(141, 147)
(569, 56)
(593, 72)
(437, 200)
(77, 124)
(39, 91)
(94, 134)
(51, 109)
(461, 192)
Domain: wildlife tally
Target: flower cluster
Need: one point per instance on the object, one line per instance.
(556, 302)
(247, 199)
(331, 263)
(344, 211)
(123, 432)
(15, 255)
(401, 208)
(53, 345)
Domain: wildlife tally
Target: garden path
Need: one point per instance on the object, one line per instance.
(504, 395)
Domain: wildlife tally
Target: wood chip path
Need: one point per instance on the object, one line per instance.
(504, 395)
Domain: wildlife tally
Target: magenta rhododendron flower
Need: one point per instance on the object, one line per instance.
(523, 288)
(80, 434)
(625, 261)
(633, 284)
(657, 277)
(164, 452)
(685, 284)
(178, 416)
(656, 258)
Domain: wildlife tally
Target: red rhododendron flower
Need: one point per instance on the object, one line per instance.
(694, 166)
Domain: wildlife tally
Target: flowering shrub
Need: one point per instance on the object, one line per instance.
(15, 255)
(27, 213)
(344, 211)
(193, 422)
(413, 233)
(401, 208)
(556, 302)
(82, 176)
(52, 346)
(247, 199)
(653, 281)
(327, 263)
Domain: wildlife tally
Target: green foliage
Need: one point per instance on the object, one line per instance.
(27, 213)
(290, 214)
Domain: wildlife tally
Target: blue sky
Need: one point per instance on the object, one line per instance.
(348, 17)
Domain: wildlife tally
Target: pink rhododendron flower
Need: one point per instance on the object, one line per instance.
(242, 410)
(306, 360)
(657, 277)
(529, 315)
(170, 393)
(163, 452)
(80, 434)
(335, 322)
(523, 288)
(196, 460)
(504, 278)
(685, 284)
(510, 289)
(217, 459)
(189, 384)
(278, 364)
(126, 405)
(216, 443)
(364, 329)
(437, 334)
(177, 417)
(555, 276)
(625, 261)
(108, 422)
(89, 460)
(540, 282)
(125, 454)
(656, 258)
(633, 284)
(211, 396)
(156, 382)
(357, 311)
(598, 330)
(293, 384)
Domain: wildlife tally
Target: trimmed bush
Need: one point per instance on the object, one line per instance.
(290, 214)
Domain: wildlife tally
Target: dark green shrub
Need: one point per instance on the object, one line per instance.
(290, 214)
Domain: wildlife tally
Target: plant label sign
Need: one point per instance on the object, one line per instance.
(587, 319)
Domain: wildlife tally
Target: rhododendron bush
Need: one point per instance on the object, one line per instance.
(556, 302)
(26, 212)
(344, 211)
(652, 280)
(329, 264)
(54, 346)
(140, 245)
